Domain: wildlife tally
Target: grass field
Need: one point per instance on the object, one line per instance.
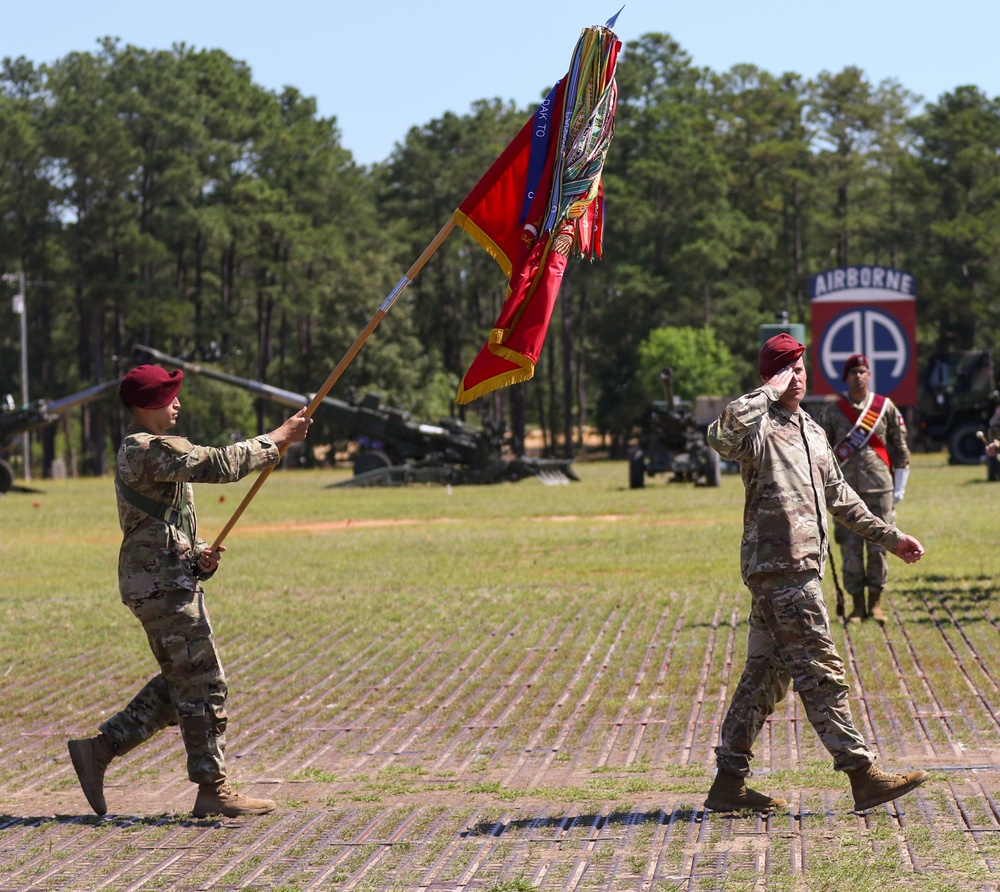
(497, 688)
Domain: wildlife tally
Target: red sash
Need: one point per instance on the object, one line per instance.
(862, 433)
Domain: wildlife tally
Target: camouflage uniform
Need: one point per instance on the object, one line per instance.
(871, 479)
(160, 583)
(994, 430)
(791, 478)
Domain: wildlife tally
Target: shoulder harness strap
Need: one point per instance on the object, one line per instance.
(177, 517)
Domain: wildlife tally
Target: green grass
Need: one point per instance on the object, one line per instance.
(512, 623)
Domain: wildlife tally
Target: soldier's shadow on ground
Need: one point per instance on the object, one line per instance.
(586, 822)
(947, 594)
(949, 602)
(166, 819)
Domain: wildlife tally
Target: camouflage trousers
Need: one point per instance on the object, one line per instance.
(852, 549)
(190, 690)
(789, 642)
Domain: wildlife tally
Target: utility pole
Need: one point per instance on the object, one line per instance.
(18, 306)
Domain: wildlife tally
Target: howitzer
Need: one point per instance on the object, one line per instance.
(673, 443)
(956, 397)
(15, 421)
(394, 448)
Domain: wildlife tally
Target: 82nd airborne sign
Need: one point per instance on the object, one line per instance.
(869, 310)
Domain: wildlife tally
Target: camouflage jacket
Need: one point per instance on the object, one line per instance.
(864, 470)
(994, 433)
(156, 555)
(792, 479)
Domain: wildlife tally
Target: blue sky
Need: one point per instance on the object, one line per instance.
(382, 66)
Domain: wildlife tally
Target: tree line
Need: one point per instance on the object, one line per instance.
(162, 197)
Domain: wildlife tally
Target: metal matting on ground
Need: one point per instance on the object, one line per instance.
(484, 759)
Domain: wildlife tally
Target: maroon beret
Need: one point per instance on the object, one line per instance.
(853, 362)
(777, 352)
(150, 386)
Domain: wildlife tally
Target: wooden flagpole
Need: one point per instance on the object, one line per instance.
(342, 365)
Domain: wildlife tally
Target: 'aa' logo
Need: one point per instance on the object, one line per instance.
(877, 335)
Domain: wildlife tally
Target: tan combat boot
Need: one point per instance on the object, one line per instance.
(730, 792)
(91, 757)
(871, 786)
(875, 610)
(858, 613)
(219, 798)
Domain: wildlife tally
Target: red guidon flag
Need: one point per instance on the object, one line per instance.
(540, 202)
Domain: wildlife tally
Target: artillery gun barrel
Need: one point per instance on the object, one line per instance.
(667, 382)
(398, 446)
(39, 413)
(275, 394)
(403, 436)
(57, 407)
(15, 422)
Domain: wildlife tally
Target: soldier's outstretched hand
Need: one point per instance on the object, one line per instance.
(293, 430)
(909, 549)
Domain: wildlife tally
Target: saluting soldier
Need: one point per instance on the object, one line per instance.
(792, 479)
(868, 436)
(161, 566)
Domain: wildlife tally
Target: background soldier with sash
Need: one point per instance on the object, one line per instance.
(868, 436)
